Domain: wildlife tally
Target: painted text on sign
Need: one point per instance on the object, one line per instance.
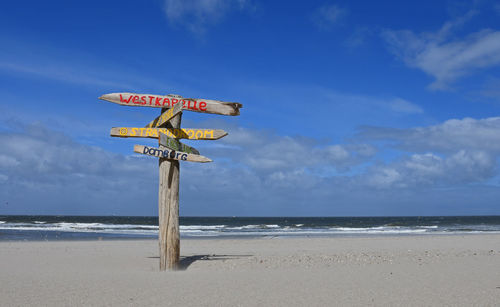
(164, 102)
(168, 101)
(168, 153)
(185, 133)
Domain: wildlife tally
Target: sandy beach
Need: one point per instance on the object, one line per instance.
(436, 270)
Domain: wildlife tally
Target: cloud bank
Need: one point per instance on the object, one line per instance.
(258, 172)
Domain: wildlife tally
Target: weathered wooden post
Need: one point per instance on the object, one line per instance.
(168, 208)
(167, 129)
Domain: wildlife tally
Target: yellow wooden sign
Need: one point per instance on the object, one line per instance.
(154, 133)
(165, 116)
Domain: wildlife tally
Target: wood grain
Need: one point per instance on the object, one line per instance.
(168, 209)
(167, 101)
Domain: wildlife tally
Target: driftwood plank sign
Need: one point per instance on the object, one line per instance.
(167, 101)
(154, 133)
(167, 129)
(176, 145)
(165, 116)
(170, 154)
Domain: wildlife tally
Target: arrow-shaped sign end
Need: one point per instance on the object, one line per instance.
(106, 97)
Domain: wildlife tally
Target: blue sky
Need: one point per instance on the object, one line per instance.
(349, 107)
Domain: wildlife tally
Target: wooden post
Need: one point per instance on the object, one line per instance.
(168, 208)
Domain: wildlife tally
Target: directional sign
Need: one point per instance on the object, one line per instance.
(165, 116)
(169, 154)
(176, 145)
(154, 133)
(167, 101)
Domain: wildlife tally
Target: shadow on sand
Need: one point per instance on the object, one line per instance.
(186, 261)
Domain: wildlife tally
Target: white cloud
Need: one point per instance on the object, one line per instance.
(197, 15)
(393, 104)
(63, 73)
(358, 37)
(383, 177)
(265, 152)
(451, 136)
(454, 152)
(327, 16)
(404, 106)
(444, 57)
(68, 66)
(6, 161)
(43, 164)
(428, 169)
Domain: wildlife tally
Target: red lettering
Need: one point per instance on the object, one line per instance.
(184, 103)
(151, 98)
(194, 105)
(136, 99)
(166, 101)
(174, 101)
(125, 100)
(203, 106)
(143, 99)
(158, 101)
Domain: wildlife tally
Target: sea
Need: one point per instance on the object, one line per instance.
(49, 227)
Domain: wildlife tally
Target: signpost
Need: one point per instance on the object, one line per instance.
(167, 129)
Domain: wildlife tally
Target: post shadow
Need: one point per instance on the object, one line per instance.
(186, 261)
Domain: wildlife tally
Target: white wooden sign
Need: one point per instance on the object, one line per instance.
(168, 153)
(167, 101)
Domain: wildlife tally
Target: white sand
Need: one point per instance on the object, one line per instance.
(384, 271)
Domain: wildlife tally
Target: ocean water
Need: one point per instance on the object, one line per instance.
(14, 228)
